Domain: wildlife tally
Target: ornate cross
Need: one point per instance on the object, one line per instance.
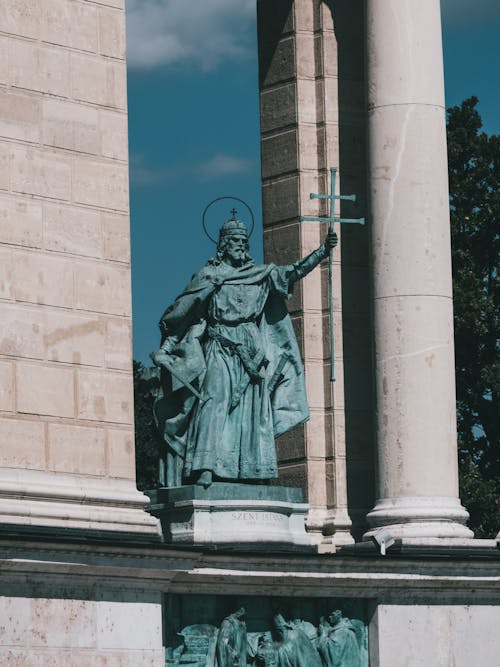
(331, 219)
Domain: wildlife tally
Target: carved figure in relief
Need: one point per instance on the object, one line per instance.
(231, 648)
(293, 647)
(231, 374)
(265, 655)
(338, 642)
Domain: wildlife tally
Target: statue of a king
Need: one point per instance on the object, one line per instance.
(231, 374)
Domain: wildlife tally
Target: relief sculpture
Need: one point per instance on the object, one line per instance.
(232, 641)
(336, 641)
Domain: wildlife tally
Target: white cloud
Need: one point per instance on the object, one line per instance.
(216, 167)
(223, 165)
(464, 12)
(203, 33)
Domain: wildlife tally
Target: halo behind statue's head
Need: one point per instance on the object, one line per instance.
(231, 227)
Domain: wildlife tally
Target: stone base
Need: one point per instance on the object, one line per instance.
(329, 526)
(94, 603)
(55, 502)
(420, 518)
(247, 515)
(47, 623)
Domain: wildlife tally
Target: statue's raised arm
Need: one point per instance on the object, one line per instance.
(305, 265)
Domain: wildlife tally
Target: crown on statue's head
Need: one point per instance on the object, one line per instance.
(233, 227)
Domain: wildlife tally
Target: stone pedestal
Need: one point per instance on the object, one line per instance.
(231, 514)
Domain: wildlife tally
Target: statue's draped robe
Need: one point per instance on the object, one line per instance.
(340, 648)
(231, 643)
(232, 432)
(297, 650)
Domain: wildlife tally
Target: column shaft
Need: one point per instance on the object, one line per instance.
(412, 289)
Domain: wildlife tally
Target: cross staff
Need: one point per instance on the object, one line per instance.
(331, 219)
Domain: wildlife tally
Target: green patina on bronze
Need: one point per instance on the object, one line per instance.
(231, 372)
(218, 631)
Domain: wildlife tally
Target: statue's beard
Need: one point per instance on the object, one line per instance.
(237, 259)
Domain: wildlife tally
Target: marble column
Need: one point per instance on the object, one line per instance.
(412, 288)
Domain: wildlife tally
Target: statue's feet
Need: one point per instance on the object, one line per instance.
(205, 479)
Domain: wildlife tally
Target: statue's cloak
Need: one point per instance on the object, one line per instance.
(297, 650)
(186, 322)
(340, 646)
(231, 648)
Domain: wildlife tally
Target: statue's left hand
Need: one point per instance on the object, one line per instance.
(168, 344)
(331, 241)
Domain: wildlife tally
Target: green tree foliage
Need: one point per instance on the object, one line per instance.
(147, 444)
(474, 173)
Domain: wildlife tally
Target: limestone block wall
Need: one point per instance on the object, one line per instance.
(66, 394)
(311, 58)
(70, 624)
(435, 634)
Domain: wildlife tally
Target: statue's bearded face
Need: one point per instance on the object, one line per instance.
(236, 248)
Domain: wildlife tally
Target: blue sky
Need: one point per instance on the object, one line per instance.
(194, 128)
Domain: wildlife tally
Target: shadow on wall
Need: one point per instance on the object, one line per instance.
(349, 26)
(348, 18)
(277, 17)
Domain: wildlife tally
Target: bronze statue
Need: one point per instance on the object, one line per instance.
(231, 373)
(293, 647)
(338, 642)
(231, 648)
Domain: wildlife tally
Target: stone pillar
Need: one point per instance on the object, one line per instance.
(293, 165)
(308, 126)
(412, 289)
(66, 395)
